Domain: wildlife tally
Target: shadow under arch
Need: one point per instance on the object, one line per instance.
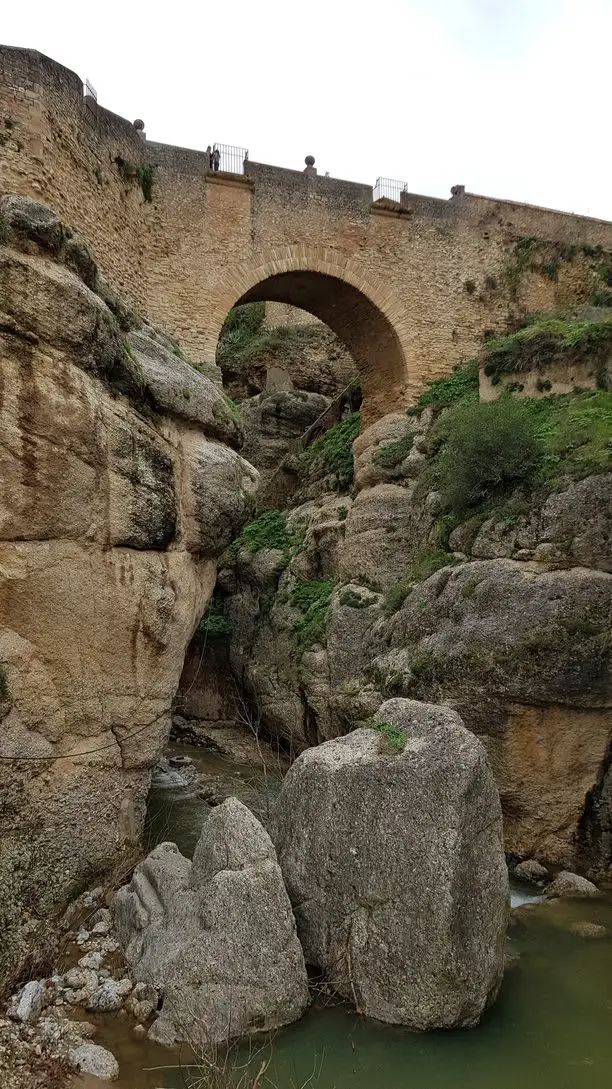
(362, 325)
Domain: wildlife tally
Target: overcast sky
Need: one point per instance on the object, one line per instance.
(510, 98)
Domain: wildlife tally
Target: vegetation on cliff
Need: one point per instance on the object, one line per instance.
(245, 340)
(461, 385)
(547, 341)
(268, 531)
(333, 451)
(482, 452)
(313, 599)
(214, 624)
(485, 450)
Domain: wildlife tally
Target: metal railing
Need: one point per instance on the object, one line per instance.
(389, 188)
(231, 159)
(90, 102)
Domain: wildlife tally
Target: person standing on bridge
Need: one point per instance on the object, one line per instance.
(210, 157)
(216, 159)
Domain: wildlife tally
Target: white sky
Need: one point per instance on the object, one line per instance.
(510, 98)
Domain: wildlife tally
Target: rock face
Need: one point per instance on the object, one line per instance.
(524, 652)
(273, 421)
(394, 864)
(118, 491)
(306, 358)
(507, 619)
(216, 936)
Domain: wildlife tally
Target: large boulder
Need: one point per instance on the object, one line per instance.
(390, 843)
(273, 421)
(217, 936)
(385, 530)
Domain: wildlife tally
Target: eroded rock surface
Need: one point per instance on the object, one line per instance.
(118, 492)
(507, 617)
(217, 936)
(394, 863)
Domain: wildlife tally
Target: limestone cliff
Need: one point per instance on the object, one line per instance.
(369, 588)
(120, 486)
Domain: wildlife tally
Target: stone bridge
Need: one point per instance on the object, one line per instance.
(409, 287)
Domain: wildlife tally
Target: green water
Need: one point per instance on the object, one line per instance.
(551, 1027)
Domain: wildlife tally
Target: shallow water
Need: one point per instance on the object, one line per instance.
(177, 812)
(551, 1027)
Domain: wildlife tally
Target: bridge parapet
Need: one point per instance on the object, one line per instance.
(410, 289)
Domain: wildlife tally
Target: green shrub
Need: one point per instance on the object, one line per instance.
(486, 450)
(232, 408)
(393, 735)
(575, 433)
(353, 600)
(267, 531)
(145, 177)
(461, 385)
(601, 296)
(4, 688)
(333, 453)
(428, 668)
(214, 623)
(312, 597)
(390, 454)
(396, 596)
(244, 319)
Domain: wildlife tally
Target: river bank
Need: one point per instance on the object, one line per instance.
(554, 1001)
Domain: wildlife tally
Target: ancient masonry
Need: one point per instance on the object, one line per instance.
(409, 287)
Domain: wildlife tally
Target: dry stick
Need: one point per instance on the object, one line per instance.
(350, 971)
(262, 1070)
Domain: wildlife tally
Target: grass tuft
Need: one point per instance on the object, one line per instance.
(312, 597)
(333, 451)
(393, 735)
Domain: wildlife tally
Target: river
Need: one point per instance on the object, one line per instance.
(551, 1027)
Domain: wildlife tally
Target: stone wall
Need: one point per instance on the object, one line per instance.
(285, 314)
(57, 151)
(409, 289)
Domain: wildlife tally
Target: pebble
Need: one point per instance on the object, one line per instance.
(109, 995)
(91, 960)
(81, 979)
(30, 1001)
(102, 922)
(93, 897)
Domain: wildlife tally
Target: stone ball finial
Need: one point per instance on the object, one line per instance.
(309, 160)
(138, 125)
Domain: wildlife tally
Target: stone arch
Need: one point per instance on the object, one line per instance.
(361, 312)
